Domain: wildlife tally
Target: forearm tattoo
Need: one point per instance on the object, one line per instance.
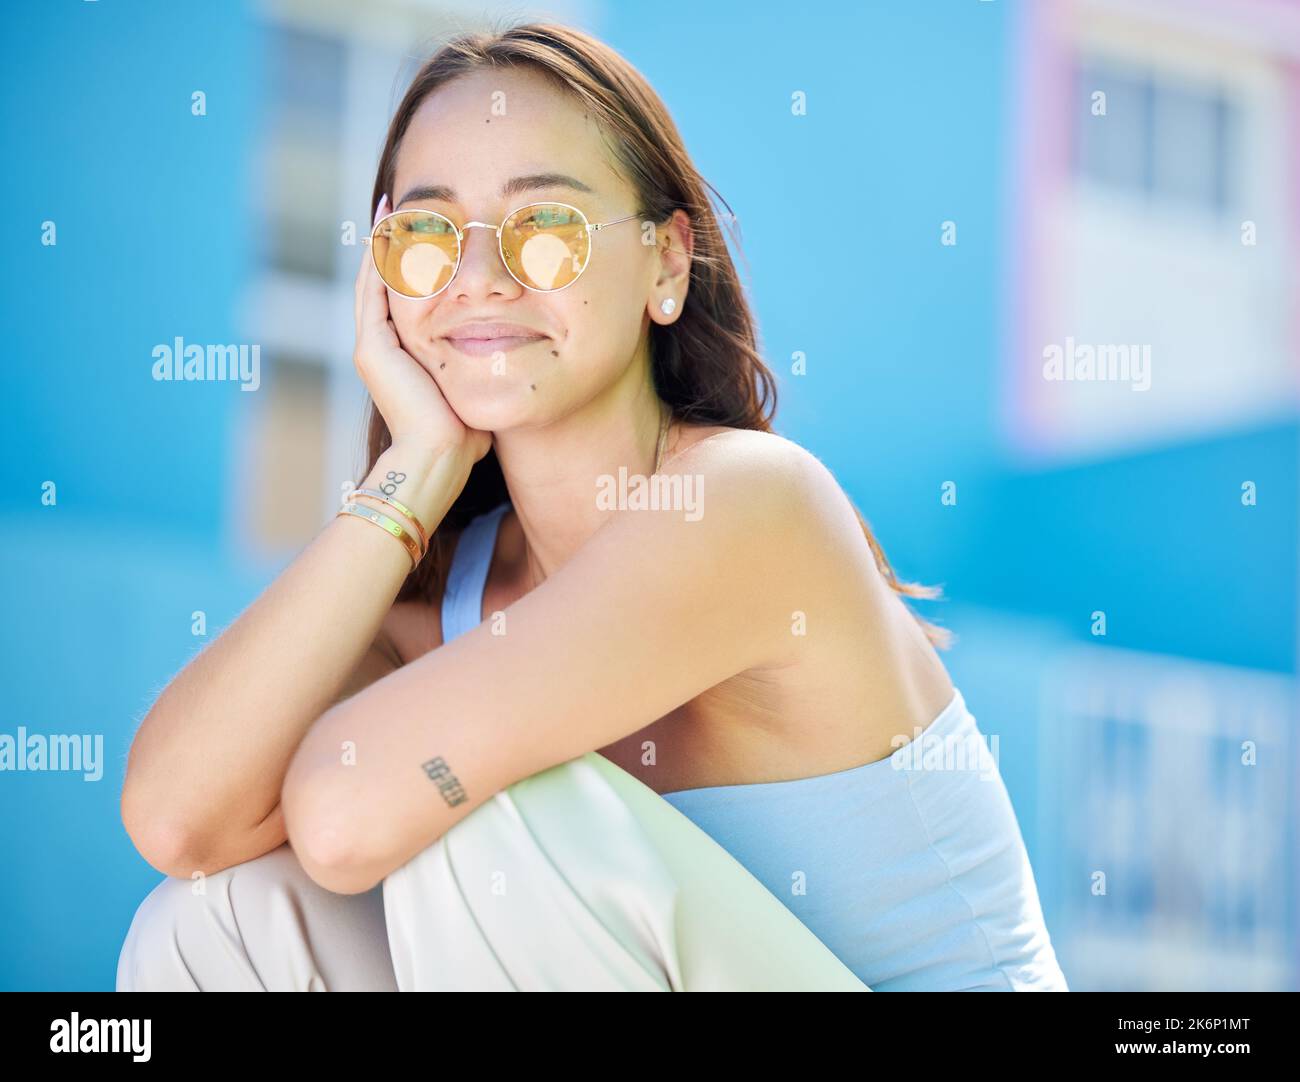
(441, 776)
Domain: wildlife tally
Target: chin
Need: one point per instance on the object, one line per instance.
(500, 403)
(530, 390)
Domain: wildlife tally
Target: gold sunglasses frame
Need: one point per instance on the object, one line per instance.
(459, 231)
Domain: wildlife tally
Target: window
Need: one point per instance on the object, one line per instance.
(305, 75)
(1157, 230)
(287, 459)
(1166, 782)
(1159, 138)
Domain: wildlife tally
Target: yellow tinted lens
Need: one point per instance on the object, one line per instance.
(546, 246)
(416, 252)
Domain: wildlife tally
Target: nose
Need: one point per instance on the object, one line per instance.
(482, 271)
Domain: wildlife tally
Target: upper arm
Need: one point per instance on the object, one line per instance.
(653, 610)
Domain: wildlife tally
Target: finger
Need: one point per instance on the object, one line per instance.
(367, 262)
(374, 304)
(367, 257)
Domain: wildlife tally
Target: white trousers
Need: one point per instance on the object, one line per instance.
(579, 878)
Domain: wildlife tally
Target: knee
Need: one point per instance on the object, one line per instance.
(180, 919)
(147, 952)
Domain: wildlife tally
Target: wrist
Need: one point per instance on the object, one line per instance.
(426, 479)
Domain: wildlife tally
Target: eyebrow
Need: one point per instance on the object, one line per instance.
(513, 186)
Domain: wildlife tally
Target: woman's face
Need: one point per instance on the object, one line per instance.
(494, 141)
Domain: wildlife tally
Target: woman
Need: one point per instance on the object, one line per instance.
(648, 591)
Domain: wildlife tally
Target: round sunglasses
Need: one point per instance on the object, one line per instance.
(545, 247)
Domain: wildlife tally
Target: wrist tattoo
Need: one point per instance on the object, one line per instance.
(391, 481)
(448, 785)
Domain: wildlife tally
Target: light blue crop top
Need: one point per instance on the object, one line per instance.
(914, 874)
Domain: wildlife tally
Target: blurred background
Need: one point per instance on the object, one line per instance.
(1018, 181)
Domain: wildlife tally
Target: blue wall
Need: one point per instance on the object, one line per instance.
(99, 589)
(150, 207)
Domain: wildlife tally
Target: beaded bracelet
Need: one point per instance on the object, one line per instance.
(388, 525)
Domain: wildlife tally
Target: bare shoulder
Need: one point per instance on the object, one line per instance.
(807, 545)
(739, 452)
(773, 482)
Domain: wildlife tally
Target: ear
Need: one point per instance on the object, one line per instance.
(675, 246)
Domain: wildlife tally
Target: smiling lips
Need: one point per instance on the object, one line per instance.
(484, 339)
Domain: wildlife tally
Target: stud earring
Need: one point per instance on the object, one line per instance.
(667, 305)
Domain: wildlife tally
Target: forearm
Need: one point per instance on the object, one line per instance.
(212, 752)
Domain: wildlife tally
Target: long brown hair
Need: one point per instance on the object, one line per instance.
(706, 365)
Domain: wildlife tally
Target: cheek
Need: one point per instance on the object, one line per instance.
(412, 320)
(619, 322)
(599, 335)
(605, 320)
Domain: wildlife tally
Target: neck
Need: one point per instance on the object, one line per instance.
(551, 471)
